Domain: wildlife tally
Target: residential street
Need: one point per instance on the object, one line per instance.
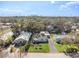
(37, 55)
(45, 55)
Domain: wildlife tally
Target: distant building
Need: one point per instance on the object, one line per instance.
(5, 25)
(57, 28)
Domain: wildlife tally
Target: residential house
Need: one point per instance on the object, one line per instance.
(57, 28)
(5, 25)
(74, 27)
(45, 33)
(41, 37)
(40, 40)
(22, 39)
(59, 38)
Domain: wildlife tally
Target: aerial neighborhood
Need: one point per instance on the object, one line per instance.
(37, 34)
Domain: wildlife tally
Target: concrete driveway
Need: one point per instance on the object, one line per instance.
(52, 46)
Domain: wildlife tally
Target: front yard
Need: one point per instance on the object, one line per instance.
(62, 47)
(44, 48)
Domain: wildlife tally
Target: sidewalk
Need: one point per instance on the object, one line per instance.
(45, 55)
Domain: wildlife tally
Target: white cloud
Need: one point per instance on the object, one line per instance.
(68, 4)
(10, 10)
(73, 3)
(63, 6)
(52, 2)
(17, 11)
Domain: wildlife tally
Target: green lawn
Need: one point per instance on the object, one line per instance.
(39, 48)
(62, 48)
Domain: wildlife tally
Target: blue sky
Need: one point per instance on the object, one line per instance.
(40, 8)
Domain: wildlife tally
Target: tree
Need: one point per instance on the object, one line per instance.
(8, 41)
(1, 42)
(34, 26)
(67, 40)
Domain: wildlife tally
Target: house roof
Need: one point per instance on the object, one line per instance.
(74, 27)
(41, 39)
(45, 32)
(25, 36)
(60, 36)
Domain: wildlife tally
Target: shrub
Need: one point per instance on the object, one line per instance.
(8, 41)
(1, 42)
(71, 50)
(22, 49)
